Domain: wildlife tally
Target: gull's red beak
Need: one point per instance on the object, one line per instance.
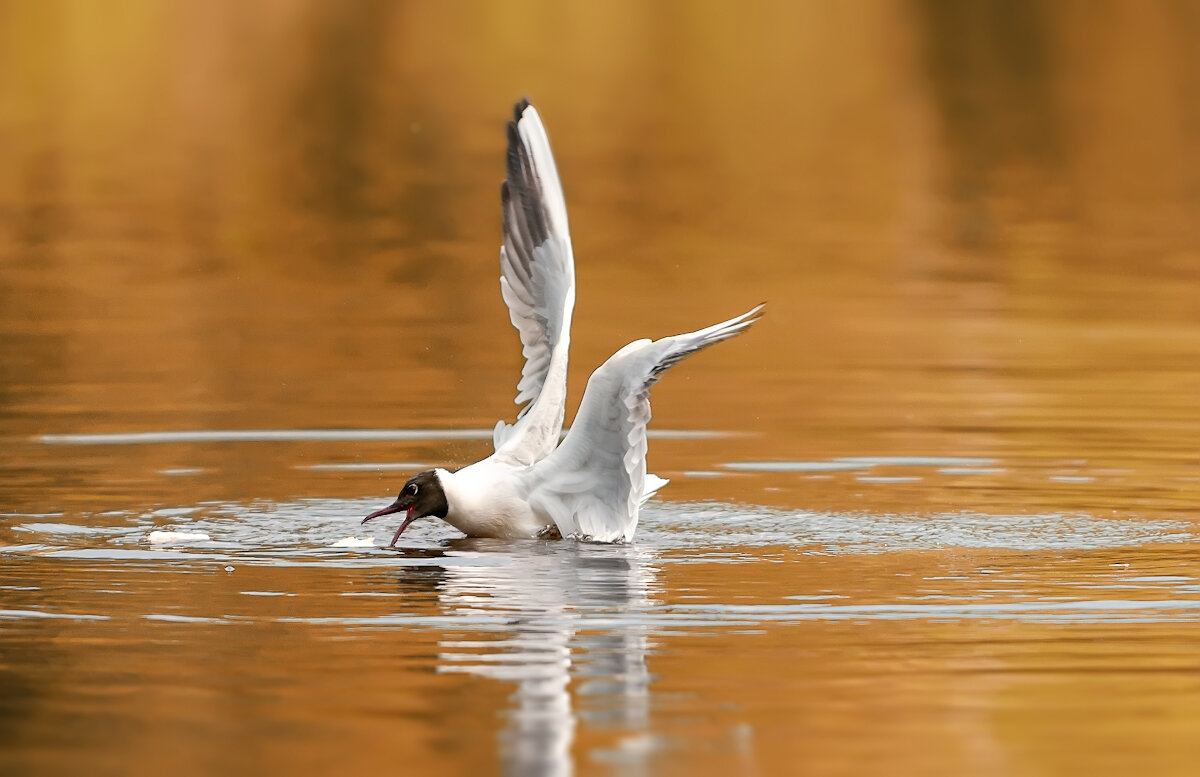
(395, 507)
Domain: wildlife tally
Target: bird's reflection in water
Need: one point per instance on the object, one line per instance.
(574, 641)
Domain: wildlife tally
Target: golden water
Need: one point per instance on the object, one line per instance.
(937, 513)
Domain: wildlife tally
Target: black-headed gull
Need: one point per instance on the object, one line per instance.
(592, 485)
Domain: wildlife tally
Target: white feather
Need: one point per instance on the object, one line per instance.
(595, 482)
(537, 282)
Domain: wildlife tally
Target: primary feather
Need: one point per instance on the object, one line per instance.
(537, 282)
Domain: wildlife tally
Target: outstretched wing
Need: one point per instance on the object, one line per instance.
(537, 281)
(594, 483)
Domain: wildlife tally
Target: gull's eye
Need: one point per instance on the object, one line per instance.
(412, 489)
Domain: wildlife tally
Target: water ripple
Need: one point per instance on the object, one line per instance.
(315, 531)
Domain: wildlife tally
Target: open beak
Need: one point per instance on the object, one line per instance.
(395, 507)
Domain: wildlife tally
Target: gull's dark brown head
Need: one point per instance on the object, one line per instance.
(422, 495)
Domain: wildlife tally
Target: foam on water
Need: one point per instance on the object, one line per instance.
(354, 542)
(171, 537)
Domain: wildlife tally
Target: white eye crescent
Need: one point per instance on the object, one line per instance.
(412, 488)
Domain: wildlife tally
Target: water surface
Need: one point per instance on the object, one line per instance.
(935, 514)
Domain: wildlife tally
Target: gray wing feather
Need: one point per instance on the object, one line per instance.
(537, 283)
(596, 481)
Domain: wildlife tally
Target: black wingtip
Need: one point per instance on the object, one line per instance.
(524, 209)
(519, 108)
(512, 158)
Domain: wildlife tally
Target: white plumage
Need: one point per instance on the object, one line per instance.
(593, 484)
(537, 282)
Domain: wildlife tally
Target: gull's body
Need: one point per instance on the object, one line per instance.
(489, 499)
(593, 483)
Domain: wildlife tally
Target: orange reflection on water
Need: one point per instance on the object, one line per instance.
(974, 227)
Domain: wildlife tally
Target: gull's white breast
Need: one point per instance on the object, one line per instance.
(490, 499)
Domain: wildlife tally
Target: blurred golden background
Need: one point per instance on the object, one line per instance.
(975, 226)
(974, 222)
